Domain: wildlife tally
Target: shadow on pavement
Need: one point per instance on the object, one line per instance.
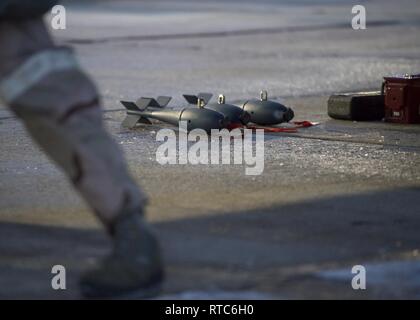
(272, 250)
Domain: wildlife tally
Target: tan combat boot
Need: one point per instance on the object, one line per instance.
(134, 268)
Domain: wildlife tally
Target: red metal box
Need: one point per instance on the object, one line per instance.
(402, 98)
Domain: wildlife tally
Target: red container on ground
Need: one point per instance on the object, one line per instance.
(402, 98)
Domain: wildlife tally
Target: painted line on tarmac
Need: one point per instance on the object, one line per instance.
(243, 32)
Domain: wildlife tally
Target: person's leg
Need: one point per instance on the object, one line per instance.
(60, 108)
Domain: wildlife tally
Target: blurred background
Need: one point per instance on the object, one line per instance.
(291, 48)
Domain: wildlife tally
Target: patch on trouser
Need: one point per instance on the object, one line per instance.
(62, 114)
(34, 69)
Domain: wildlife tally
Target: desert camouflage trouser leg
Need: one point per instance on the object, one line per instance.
(59, 105)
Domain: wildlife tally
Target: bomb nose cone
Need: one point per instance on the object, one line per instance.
(289, 115)
(245, 117)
